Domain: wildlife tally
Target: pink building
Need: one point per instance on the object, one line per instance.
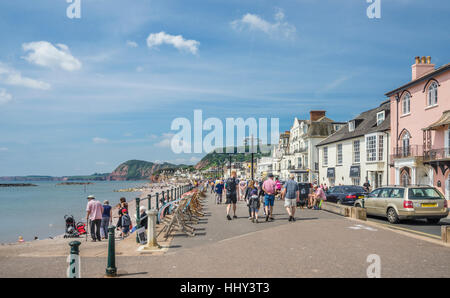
(420, 118)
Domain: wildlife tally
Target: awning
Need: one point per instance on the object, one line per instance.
(444, 120)
(330, 173)
(355, 172)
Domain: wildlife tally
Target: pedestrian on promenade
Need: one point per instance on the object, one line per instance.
(248, 193)
(261, 195)
(269, 187)
(254, 205)
(231, 187)
(366, 185)
(242, 188)
(278, 189)
(94, 211)
(122, 205)
(106, 219)
(319, 196)
(143, 218)
(219, 190)
(126, 223)
(291, 194)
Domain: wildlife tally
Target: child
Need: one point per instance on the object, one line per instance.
(254, 205)
(126, 223)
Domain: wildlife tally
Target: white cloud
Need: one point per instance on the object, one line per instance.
(98, 140)
(166, 140)
(156, 39)
(254, 22)
(11, 76)
(5, 97)
(45, 54)
(131, 44)
(194, 159)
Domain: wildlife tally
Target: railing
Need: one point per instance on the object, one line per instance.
(436, 154)
(410, 151)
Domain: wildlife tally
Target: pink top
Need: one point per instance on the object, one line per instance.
(320, 193)
(95, 209)
(269, 186)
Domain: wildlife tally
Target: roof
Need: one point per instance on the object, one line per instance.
(365, 123)
(444, 120)
(423, 78)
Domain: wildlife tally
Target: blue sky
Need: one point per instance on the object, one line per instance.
(79, 96)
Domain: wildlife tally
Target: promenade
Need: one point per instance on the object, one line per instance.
(318, 244)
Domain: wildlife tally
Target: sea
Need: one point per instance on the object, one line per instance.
(38, 211)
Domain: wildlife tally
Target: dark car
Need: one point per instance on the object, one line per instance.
(345, 194)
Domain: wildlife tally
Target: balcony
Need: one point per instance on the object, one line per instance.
(436, 154)
(407, 152)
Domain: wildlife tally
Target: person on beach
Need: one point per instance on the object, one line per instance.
(269, 187)
(291, 195)
(106, 219)
(248, 193)
(94, 211)
(126, 223)
(254, 205)
(231, 187)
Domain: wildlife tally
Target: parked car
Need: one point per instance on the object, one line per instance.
(345, 194)
(411, 202)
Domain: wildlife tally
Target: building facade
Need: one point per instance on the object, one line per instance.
(420, 127)
(358, 151)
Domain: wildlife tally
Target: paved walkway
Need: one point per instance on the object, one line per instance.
(318, 244)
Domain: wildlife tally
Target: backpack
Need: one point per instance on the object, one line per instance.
(126, 221)
(231, 186)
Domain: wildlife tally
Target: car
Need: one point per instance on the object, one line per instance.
(345, 194)
(406, 202)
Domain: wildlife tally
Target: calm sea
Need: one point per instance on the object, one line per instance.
(39, 211)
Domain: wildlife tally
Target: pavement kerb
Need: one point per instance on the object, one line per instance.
(400, 230)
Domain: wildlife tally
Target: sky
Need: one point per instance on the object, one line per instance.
(83, 95)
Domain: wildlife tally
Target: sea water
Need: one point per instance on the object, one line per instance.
(39, 210)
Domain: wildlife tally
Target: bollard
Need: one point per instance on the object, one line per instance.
(74, 260)
(445, 233)
(157, 206)
(111, 269)
(152, 243)
(149, 202)
(138, 218)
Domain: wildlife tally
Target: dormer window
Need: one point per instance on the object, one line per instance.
(380, 117)
(351, 126)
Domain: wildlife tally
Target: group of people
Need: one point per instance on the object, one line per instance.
(99, 217)
(263, 193)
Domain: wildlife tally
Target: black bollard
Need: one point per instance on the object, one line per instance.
(111, 269)
(157, 206)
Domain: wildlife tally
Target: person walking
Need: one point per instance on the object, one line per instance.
(254, 205)
(106, 219)
(269, 187)
(242, 189)
(247, 196)
(219, 190)
(122, 205)
(94, 211)
(126, 223)
(231, 188)
(291, 194)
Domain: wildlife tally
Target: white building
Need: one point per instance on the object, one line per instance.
(358, 151)
(301, 157)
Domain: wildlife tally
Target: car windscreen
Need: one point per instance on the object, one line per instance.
(352, 189)
(424, 193)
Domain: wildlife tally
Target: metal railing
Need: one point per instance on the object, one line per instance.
(436, 154)
(409, 151)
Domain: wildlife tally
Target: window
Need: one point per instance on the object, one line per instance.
(351, 126)
(339, 154)
(380, 117)
(355, 181)
(356, 152)
(385, 192)
(371, 148)
(397, 193)
(406, 104)
(325, 156)
(405, 143)
(375, 193)
(432, 94)
(380, 148)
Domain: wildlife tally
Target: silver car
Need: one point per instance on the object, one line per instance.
(411, 202)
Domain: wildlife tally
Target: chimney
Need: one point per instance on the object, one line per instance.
(316, 115)
(421, 67)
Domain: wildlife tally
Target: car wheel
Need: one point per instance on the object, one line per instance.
(392, 216)
(433, 220)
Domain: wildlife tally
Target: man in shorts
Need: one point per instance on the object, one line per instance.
(219, 189)
(291, 195)
(269, 188)
(232, 190)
